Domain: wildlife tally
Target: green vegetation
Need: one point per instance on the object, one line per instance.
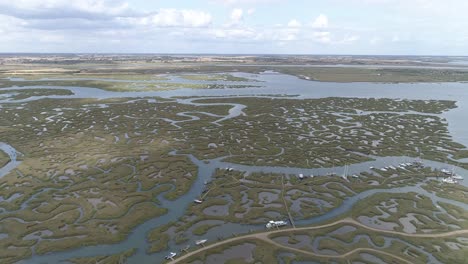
(111, 259)
(376, 74)
(202, 229)
(214, 77)
(4, 159)
(450, 191)
(19, 94)
(326, 132)
(410, 213)
(260, 253)
(116, 83)
(220, 69)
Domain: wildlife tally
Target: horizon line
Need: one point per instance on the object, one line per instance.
(223, 54)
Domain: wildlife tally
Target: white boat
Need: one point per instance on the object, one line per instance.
(391, 167)
(301, 176)
(371, 167)
(311, 176)
(171, 255)
(445, 171)
(200, 242)
(449, 180)
(346, 171)
(457, 177)
(355, 176)
(383, 169)
(272, 224)
(198, 201)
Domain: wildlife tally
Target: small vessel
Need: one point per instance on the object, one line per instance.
(449, 180)
(391, 167)
(355, 176)
(311, 176)
(198, 201)
(371, 168)
(383, 169)
(201, 242)
(272, 224)
(301, 176)
(346, 171)
(445, 171)
(171, 255)
(457, 177)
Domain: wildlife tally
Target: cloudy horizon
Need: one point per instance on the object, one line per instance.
(364, 27)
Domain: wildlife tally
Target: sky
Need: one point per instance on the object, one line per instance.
(365, 27)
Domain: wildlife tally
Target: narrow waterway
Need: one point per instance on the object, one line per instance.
(13, 163)
(137, 239)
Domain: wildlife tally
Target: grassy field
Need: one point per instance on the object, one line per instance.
(19, 94)
(110, 259)
(219, 71)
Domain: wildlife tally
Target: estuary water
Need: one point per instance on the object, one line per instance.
(271, 84)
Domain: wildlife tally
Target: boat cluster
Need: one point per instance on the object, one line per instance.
(198, 243)
(402, 166)
(452, 177)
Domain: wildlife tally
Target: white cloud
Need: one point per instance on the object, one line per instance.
(320, 22)
(239, 34)
(369, 26)
(322, 37)
(50, 9)
(245, 2)
(179, 18)
(349, 39)
(294, 23)
(236, 15)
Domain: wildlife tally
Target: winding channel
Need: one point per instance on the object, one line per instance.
(272, 84)
(137, 238)
(12, 154)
